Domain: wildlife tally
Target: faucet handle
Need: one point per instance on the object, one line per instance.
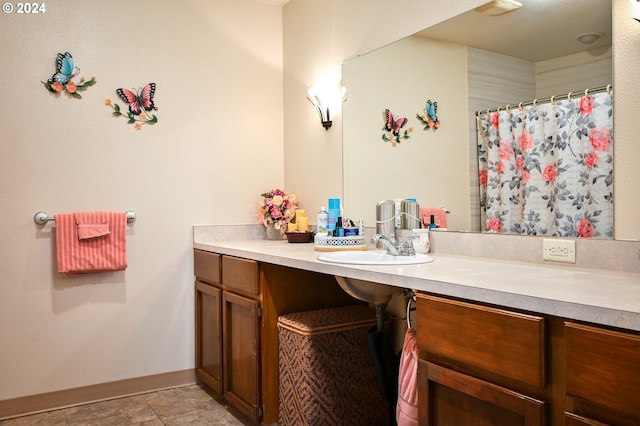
(405, 246)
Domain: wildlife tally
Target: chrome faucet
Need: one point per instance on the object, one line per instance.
(402, 248)
(390, 245)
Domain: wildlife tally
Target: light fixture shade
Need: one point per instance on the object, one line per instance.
(323, 110)
(322, 100)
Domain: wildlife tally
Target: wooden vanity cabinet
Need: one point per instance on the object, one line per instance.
(479, 365)
(486, 365)
(603, 376)
(237, 304)
(228, 330)
(208, 319)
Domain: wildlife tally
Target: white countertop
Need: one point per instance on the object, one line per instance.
(597, 296)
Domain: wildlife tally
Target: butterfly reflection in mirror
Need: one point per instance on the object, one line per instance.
(62, 79)
(140, 105)
(392, 130)
(429, 117)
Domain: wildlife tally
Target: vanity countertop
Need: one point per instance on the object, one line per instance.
(597, 296)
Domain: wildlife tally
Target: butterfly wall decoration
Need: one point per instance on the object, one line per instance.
(392, 129)
(140, 104)
(429, 117)
(62, 79)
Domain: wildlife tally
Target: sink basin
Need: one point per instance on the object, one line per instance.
(378, 294)
(377, 257)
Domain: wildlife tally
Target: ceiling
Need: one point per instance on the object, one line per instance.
(531, 32)
(275, 2)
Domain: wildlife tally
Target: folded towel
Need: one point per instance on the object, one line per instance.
(92, 224)
(81, 254)
(440, 216)
(407, 405)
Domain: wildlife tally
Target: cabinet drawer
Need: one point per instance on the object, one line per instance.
(482, 339)
(240, 275)
(206, 266)
(603, 368)
(447, 397)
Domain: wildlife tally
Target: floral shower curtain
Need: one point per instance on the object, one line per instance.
(548, 169)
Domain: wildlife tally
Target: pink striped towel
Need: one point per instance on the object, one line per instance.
(407, 405)
(440, 216)
(91, 242)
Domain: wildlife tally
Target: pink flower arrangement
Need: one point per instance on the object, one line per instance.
(277, 208)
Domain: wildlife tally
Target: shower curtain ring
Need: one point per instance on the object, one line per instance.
(569, 96)
(553, 102)
(535, 102)
(520, 105)
(507, 108)
(608, 89)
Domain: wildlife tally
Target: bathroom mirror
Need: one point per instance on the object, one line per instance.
(468, 63)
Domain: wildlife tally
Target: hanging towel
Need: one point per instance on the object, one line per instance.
(407, 406)
(92, 224)
(100, 247)
(440, 215)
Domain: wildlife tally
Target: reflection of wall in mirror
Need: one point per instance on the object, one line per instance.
(439, 168)
(431, 165)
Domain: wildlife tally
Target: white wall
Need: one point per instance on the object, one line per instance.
(216, 147)
(589, 69)
(319, 36)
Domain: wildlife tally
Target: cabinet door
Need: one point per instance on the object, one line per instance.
(575, 420)
(208, 328)
(447, 397)
(603, 374)
(240, 322)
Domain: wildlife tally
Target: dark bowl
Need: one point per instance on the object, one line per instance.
(299, 237)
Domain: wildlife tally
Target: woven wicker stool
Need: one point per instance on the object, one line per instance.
(327, 376)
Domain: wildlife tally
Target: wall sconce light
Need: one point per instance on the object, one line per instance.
(322, 101)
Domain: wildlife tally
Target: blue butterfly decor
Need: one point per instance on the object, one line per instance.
(429, 118)
(140, 105)
(392, 130)
(62, 80)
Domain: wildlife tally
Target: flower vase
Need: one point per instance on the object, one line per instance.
(274, 234)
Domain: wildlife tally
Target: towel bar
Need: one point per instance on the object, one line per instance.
(412, 298)
(41, 218)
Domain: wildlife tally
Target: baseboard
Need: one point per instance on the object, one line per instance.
(104, 391)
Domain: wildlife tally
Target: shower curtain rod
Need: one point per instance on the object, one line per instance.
(551, 99)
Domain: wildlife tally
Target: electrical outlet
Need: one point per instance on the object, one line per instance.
(559, 250)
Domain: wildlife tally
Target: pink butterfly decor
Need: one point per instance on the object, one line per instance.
(140, 104)
(142, 99)
(392, 128)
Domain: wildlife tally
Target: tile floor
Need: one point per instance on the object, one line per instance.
(188, 405)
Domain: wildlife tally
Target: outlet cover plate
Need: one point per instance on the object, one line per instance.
(557, 250)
